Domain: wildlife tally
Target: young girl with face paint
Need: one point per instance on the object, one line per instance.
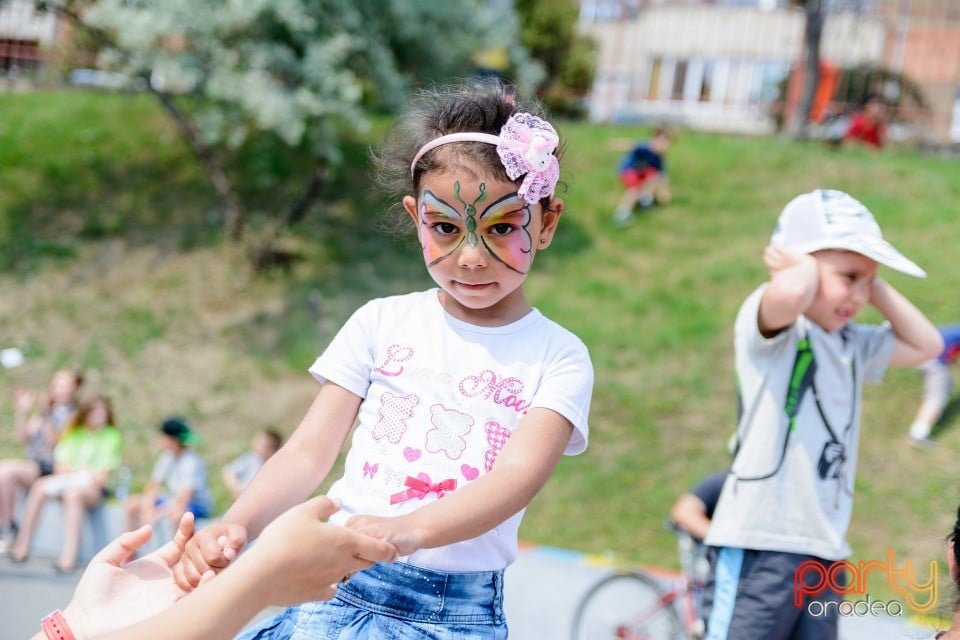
(466, 395)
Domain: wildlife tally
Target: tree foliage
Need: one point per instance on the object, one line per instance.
(548, 31)
(306, 72)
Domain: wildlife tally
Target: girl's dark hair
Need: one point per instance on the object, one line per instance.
(954, 537)
(479, 105)
(276, 440)
(80, 417)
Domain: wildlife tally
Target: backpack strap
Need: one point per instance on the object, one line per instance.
(801, 379)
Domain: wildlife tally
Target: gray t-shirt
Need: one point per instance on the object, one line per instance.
(186, 471)
(39, 448)
(245, 467)
(788, 490)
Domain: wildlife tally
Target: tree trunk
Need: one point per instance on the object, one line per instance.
(233, 215)
(310, 194)
(814, 11)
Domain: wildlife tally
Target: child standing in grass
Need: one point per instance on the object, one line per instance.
(643, 173)
(801, 361)
(466, 395)
(937, 386)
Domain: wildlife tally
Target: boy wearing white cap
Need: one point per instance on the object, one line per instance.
(783, 514)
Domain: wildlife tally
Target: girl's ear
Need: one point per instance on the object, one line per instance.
(410, 204)
(549, 221)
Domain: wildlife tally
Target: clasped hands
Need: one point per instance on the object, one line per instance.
(297, 558)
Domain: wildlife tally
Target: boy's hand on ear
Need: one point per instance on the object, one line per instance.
(778, 258)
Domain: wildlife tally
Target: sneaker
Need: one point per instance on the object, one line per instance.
(925, 444)
(646, 201)
(622, 216)
(6, 542)
(919, 431)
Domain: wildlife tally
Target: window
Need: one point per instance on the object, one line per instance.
(600, 10)
(17, 55)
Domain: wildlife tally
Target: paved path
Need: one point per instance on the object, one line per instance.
(541, 593)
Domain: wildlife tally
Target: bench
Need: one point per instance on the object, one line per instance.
(101, 525)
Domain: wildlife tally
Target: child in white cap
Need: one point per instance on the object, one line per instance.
(781, 523)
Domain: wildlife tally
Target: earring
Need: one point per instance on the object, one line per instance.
(542, 242)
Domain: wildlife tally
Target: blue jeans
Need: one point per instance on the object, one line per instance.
(390, 601)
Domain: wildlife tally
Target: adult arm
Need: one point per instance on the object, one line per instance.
(298, 558)
(917, 338)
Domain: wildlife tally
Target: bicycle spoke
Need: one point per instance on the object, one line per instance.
(627, 607)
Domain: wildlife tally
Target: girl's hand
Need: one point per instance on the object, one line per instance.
(23, 400)
(396, 531)
(212, 548)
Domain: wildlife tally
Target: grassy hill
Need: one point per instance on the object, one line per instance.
(112, 261)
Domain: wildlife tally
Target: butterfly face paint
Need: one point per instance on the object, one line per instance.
(502, 228)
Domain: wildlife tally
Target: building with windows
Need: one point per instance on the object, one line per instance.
(720, 64)
(24, 32)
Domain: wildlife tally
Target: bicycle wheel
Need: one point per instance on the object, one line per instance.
(628, 606)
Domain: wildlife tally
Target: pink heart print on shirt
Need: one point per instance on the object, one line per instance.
(411, 454)
(470, 473)
(497, 436)
(449, 427)
(394, 412)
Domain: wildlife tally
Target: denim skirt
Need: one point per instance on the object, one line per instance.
(390, 601)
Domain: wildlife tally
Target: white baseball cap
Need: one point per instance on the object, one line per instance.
(830, 219)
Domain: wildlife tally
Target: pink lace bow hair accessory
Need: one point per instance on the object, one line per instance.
(525, 145)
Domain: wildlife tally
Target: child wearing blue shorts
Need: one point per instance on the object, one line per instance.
(801, 361)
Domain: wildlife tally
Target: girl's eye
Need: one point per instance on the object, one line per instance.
(501, 229)
(446, 228)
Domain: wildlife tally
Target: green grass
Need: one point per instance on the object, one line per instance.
(112, 261)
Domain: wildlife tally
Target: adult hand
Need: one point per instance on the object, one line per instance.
(113, 593)
(212, 549)
(299, 557)
(396, 531)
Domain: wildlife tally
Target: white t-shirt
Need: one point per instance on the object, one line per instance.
(797, 497)
(440, 399)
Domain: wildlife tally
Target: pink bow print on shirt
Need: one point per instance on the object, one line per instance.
(421, 486)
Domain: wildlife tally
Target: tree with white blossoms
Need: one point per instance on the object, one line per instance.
(305, 71)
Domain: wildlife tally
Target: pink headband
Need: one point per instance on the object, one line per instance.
(525, 145)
